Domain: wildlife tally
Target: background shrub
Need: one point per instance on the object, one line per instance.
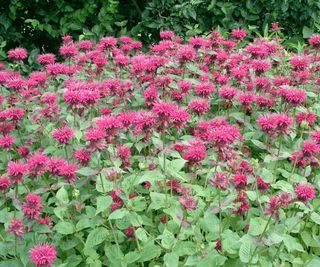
(40, 23)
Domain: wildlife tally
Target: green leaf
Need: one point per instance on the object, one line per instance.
(103, 185)
(118, 214)
(309, 240)
(157, 200)
(259, 144)
(230, 242)
(141, 235)
(103, 203)
(246, 251)
(183, 248)
(86, 171)
(96, 237)
(11, 263)
(315, 217)
(292, 244)
(149, 252)
(315, 262)
(212, 222)
(65, 228)
(62, 196)
(132, 256)
(257, 225)
(167, 239)
(83, 223)
(171, 260)
(284, 186)
(307, 32)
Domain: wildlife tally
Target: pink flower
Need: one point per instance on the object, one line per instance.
(164, 110)
(166, 34)
(195, 152)
(6, 142)
(228, 92)
(63, 135)
(186, 53)
(38, 165)
(310, 148)
(220, 180)
(14, 114)
(23, 151)
(316, 136)
(204, 89)
(86, 45)
(188, 203)
(16, 227)
(262, 185)
(129, 232)
(314, 41)
(45, 220)
(300, 62)
(245, 99)
(309, 117)
(275, 123)
(32, 207)
(199, 106)
(69, 50)
(260, 66)
(242, 201)
(83, 156)
(292, 95)
(16, 171)
(238, 34)
(68, 172)
(45, 59)
(17, 54)
(4, 183)
(43, 255)
(305, 192)
(240, 180)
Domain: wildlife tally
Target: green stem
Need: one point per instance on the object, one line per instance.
(100, 176)
(115, 238)
(278, 250)
(280, 144)
(259, 239)
(220, 218)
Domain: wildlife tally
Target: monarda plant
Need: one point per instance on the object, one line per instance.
(195, 153)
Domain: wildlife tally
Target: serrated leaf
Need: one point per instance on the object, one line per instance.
(259, 144)
(246, 250)
(183, 248)
(171, 260)
(103, 203)
(86, 171)
(149, 252)
(118, 214)
(103, 185)
(96, 237)
(62, 196)
(315, 217)
(141, 235)
(257, 225)
(83, 223)
(292, 244)
(65, 228)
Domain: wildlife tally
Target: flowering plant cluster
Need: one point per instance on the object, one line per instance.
(197, 153)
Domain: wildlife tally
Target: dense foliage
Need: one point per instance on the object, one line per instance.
(38, 24)
(200, 153)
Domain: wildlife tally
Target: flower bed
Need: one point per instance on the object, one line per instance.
(198, 153)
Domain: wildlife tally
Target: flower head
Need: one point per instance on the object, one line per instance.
(43, 255)
(305, 192)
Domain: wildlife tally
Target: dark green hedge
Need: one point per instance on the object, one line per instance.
(40, 23)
